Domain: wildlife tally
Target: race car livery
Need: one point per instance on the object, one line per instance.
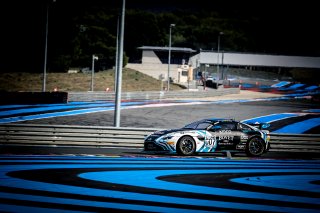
(211, 135)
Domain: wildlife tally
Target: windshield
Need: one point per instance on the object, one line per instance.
(203, 124)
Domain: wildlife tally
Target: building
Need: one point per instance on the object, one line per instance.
(221, 62)
(186, 63)
(154, 62)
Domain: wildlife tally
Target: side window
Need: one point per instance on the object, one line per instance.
(228, 126)
(203, 125)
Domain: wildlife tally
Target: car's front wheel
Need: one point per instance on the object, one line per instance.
(186, 146)
(255, 147)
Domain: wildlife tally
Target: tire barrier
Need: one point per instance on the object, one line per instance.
(125, 137)
(186, 185)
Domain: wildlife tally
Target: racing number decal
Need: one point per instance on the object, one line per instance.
(211, 142)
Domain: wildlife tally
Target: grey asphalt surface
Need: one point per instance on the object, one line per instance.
(177, 116)
(61, 176)
(165, 117)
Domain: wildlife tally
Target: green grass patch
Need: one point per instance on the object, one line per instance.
(132, 80)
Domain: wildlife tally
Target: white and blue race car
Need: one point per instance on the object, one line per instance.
(211, 135)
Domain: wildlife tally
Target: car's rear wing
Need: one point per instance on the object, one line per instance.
(260, 125)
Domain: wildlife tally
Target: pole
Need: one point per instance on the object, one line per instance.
(119, 71)
(222, 70)
(45, 53)
(92, 72)
(218, 73)
(117, 50)
(169, 57)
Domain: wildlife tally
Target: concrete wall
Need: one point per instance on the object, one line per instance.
(149, 57)
(155, 70)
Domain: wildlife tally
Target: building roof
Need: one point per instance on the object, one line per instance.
(243, 59)
(174, 49)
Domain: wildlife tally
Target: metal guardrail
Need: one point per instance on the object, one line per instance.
(65, 135)
(124, 137)
(295, 142)
(156, 95)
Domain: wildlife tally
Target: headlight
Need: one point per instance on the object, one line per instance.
(165, 138)
(146, 136)
(268, 137)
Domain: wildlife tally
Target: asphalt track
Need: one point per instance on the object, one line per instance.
(142, 184)
(52, 179)
(174, 114)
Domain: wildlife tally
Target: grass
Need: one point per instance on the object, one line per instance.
(132, 80)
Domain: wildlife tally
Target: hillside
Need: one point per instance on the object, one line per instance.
(132, 80)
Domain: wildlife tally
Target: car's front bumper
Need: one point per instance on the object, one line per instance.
(151, 146)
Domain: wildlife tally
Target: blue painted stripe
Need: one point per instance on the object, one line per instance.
(312, 110)
(16, 208)
(14, 106)
(300, 127)
(103, 107)
(291, 182)
(281, 84)
(292, 87)
(97, 204)
(63, 107)
(144, 177)
(55, 114)
(311, 88)
(148, 178)
(271, 118)
(49, 108)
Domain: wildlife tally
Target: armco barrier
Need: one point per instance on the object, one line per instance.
(125, 137)
(295, 142)
(64, 135)
(155, 95)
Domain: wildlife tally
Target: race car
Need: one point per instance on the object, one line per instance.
(211, 135)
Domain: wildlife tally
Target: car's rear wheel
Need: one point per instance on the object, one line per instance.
(186, 146)
(255, 147)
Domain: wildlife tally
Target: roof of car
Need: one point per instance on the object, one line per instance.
(220, 119)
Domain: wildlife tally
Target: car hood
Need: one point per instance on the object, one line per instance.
(167, 131)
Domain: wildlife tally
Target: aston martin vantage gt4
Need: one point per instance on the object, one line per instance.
(211, 135)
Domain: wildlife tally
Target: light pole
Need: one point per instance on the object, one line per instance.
(218, 74)
(169, 56)
(46, 50)
(92, 70)
(118, 84)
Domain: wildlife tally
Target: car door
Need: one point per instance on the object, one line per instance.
(226, 135)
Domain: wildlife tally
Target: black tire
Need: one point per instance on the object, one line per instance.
(255, 147)
(186, 146)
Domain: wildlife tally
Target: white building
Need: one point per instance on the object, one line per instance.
(155, 62)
